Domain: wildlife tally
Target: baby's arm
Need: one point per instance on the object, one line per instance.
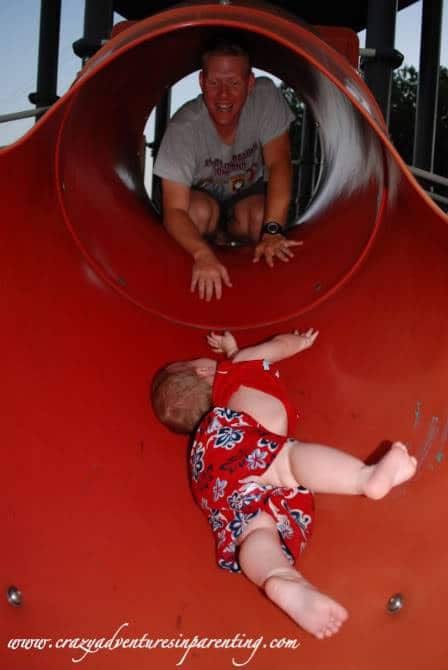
(223, 344)
(281, 346)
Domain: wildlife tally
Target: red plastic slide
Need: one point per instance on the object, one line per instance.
(101, 536)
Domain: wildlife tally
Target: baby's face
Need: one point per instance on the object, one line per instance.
(205, 369)
(203, 366)
(201, 363)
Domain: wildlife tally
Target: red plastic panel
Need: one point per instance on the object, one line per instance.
(343, 40)
(100, 532)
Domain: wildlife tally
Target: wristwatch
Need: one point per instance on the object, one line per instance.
(272, 228)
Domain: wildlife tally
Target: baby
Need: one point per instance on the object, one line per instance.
(252, 481)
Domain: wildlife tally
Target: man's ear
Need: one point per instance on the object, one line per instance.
(201, 80)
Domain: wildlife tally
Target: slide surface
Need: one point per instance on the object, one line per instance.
(101, 535)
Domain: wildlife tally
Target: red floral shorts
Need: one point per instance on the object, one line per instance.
(230, 446)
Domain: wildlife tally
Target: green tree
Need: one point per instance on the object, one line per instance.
(402, 121)
(402, 110)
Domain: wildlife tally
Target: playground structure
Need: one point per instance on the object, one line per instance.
(95, 298)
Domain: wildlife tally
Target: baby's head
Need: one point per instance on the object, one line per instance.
(181, 393)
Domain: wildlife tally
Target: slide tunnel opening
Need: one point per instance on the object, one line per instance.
(106, 207)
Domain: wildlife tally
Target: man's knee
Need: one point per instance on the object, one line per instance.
(204, 212)
(248, 218)
(256, 222)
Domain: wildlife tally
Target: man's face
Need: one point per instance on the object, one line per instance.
(225, 85)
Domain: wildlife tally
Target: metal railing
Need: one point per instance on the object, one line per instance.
(428, 176)
(15, 116)
(432, 179)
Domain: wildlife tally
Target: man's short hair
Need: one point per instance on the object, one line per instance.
(180, 399)
(225, 45)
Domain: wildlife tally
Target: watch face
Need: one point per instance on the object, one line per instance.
(273, 228)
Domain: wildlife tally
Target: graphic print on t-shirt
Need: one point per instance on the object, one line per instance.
(228, 177)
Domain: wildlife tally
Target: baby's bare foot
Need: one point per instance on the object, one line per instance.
(313, 611)
(394, 468)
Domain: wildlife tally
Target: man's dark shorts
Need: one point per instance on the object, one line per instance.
(226, 206)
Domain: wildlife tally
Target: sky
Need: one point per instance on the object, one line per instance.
(19, 34)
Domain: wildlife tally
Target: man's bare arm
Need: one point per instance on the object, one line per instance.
(277, 157)
(178, 223)
(208, 273)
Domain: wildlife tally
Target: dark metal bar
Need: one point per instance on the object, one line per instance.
(98, 22)
(428, 85)
(47, 72)
(380, 35)
(163, 113)
(306, 172)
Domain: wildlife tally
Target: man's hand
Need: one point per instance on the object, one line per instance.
(274, 246)
(223, 344)
(208, 275)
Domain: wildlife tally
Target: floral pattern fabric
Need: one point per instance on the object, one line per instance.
(230, 446)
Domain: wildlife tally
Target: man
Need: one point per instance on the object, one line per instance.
(212, 162)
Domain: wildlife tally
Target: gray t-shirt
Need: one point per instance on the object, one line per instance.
(193, 154)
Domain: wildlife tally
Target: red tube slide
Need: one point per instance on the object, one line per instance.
(104, 550)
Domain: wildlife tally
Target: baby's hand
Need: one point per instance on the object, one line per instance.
(223, 344)
(307, 339)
